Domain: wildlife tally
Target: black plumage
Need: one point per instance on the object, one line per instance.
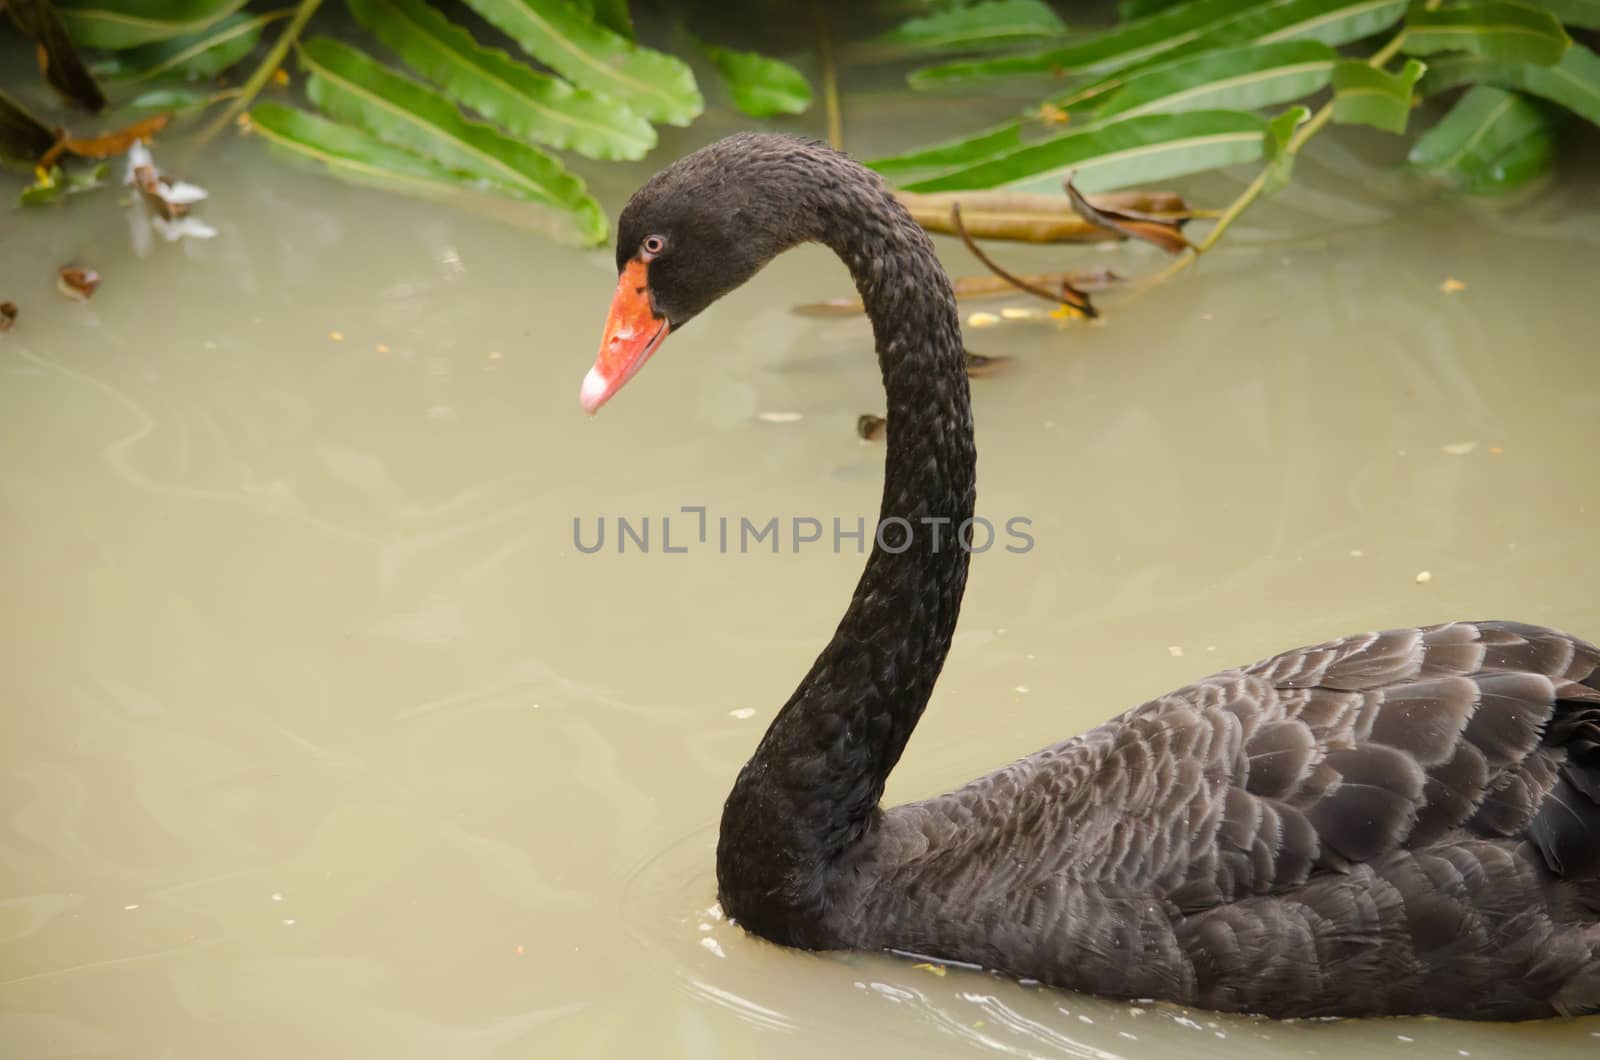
(1405, 821)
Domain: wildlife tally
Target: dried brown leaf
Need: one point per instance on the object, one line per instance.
(77, 283)
(1163, 232)
(8, 315)
(870, 426)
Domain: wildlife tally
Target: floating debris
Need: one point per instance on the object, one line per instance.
(936, 969)
(77, 284)
(1424, 577)
(1356, 553)
(336, 336)
(1495, 450)
(1023, 689)
(870, 427)
(8, 315)
(1459, 448)
(982, 320)
(982, 364)
(713, 946)
(742, 713)
(780, 417)
(1175, 650)
(1451, 285)
(519, 951)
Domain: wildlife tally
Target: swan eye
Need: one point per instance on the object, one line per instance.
(653, 245)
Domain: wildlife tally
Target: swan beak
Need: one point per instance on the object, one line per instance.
(633, 332)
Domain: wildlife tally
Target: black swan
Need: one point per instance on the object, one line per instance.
(1395, 822)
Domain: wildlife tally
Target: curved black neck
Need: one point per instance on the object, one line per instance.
(812, 789)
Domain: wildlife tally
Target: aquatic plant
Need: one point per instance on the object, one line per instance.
(507, 98)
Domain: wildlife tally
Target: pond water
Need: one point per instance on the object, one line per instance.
(322, 739)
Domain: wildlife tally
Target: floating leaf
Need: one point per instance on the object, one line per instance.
(649, 83)
(761, 87)
(534, 106)
(118, 24)
(994, 23)
(1163, 232)
(200, 55)
(1490, 141)
(77, 283)
(64, 68)
(107, 144)
(350, 86)
(1143, 149)
(1256, 75)
(1035, 218)
(1366, 95)
(1508, 32)
(1184, 30)
(1574, 82)
(24, 139)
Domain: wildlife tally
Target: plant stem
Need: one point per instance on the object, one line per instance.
(1253, 191)
(263, 73)
(830, 79)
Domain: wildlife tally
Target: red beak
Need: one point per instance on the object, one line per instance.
(633, 331)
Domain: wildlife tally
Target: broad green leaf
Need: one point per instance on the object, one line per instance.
(1148, 148)
(1256, 75)
(1574, 82)
(118, 24)
(993, 23)
(1275, 146)
(1489, 141)
(1182, 31)
(533, 105)
(201, 55)
(952, 154)
(1509, 32)
(1366, 95)
(1585, 13)
(63, 67)
(353, 155)
(649, 83)
(760, 86)
(351, 87)
(24, 139)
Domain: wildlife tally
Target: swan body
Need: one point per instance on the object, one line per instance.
(1395, 822)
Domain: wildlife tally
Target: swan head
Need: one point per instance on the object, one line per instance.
(695, 231)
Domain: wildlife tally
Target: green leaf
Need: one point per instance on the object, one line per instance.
(1185, 30)
(1366, 95)
(1256, 75)
(349, 86)
(1275, 146)
(1585, 13)
(1574, 82)
(1148, 148)
(64, 68)
(761, 87)
(990, 24)
(649, 83)
(1509, 32)
(174, 98)
(533, 105)
(201, 55)
(118, 24)
(57, 183)
(952, 154)
(612, 14)
(1490, 141)
(24, 139)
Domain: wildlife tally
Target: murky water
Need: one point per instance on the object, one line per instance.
(321, 738)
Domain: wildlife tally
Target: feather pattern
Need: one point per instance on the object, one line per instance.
(1401, 821)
